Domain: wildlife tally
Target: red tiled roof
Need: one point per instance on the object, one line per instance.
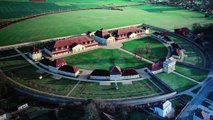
(67, 68)
(156, 66)
(70, 41)
(99, 72)
(115, 70)
(58, 63)
(129, 72)
(184, 29)
(176, 52)
(123, 31)
(45, 61)
(102, 33)
(35, 50)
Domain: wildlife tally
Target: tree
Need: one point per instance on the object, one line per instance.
(123, 112)
(148, 48)
(139, 51)
(196, 28)
(91, 112)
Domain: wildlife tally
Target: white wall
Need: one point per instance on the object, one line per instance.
(69, 73)
(99, 77)
(78, 48)
(115, 77)
(130, 77)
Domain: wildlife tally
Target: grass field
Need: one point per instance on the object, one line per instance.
(29, 77)
(8, 53)
(155, 45)
(17, 8)
(64, 24)
(194, 55)
(193, 73)
(177, 82)
(7, 64)
(105, 59)
(94, 90)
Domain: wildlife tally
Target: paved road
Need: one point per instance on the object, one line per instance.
(188, 111)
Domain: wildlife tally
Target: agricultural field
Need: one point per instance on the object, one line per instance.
(196, 74)
(193, 54)
(76, 22)
(176, 82)
(23, 8)
(155, 46)
(105, 59)
(141, 88)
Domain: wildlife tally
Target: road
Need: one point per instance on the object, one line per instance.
(187, 113)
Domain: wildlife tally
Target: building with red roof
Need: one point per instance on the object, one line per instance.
(72, 71)
(130, 74)
(69, 45)
(35, 54)
(176, 54)
(114, 73)
(100, 74)
(129, 32)
(182, 31)
(163, 37)
(57, 63)
(103, 37)
(52, 65)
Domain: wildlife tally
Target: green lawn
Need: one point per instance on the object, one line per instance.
(193, 54)
(7, 53)
(94, 90)
(14, 62)
(155, 45)
(63, 24)
(193, 73)
(105, 59)
(29, 77)
(177, 82)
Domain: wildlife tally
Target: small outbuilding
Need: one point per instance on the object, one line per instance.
(35, 54)
(72, 71)
(163, 109)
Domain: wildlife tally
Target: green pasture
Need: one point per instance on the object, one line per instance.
(93, 90)
(176, 82)
(63, 24)
(193, 54)
(193, 73)
(105, 59)
(158, 50)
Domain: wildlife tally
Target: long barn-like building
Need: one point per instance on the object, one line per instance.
(70, 45)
